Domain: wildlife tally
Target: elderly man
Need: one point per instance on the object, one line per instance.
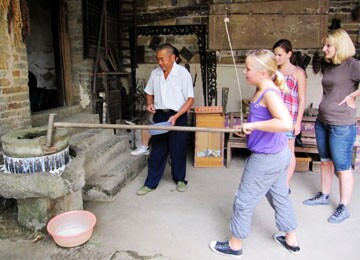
(169, 95)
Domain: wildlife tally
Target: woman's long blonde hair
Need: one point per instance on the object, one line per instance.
(265, 60)
(344, 45)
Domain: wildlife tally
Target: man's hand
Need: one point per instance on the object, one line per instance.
(150, 108)
(172, 120)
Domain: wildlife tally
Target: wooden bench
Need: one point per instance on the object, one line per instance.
(308, 138)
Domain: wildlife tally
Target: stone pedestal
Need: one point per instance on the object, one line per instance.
(41, 196)
(34, 213)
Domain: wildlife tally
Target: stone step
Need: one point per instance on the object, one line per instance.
(71, 114)
(108, 164)
(42, 118)
(83, 117)
(98, 156)
(109, 181)
(99, 142)
(88, 137)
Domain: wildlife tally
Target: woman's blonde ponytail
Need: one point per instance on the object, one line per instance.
(279, 81)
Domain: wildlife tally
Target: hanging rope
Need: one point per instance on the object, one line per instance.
(226, 21)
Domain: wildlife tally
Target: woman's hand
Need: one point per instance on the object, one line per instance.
(240, 133)
(297, 129)
(247, 128)
(349, 100)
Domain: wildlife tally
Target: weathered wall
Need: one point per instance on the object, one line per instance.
(14, 97)
(81, 68)
(304, 22)
(342, 10)
(310, 42)
(254, 25)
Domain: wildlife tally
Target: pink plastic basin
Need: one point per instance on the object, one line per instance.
(72, 228)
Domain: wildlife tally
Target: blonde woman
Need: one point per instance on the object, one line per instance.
(266, 168)
(335, 126)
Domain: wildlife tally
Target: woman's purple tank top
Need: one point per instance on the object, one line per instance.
(261, 141)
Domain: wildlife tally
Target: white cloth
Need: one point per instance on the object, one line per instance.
(173, 92)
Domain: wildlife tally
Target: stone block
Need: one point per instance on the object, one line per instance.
(3, 65)
(315, 166)
(16, 73)
(4, 81)
(16, 89)
(19, 98)
(16, 105)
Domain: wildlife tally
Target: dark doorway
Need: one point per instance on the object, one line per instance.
(47, 81)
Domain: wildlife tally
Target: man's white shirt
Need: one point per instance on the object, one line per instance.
(172, 92)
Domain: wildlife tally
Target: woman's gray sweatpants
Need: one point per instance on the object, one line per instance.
(264, 175)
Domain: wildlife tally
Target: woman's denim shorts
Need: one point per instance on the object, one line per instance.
(335, 143)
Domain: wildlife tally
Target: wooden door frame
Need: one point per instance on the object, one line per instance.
(207, 59)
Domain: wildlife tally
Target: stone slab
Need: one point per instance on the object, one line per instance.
(43, 185)
(87, 251)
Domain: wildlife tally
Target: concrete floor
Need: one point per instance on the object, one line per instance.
(166, 224)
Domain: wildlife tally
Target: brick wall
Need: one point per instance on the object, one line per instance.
(14, 93)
